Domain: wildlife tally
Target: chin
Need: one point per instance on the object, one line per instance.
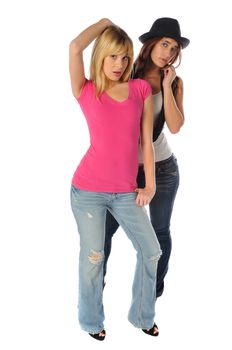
(116, 79)
(161, 64)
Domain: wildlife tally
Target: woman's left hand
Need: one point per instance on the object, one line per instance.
(144, 196)
(169, 76)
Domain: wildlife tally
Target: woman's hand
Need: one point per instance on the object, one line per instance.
(76, 48)
(107, 22)
(144, 196)
(169, 76)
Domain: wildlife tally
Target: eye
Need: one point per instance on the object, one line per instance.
(174, 50)
(165, 44)
(113, 57)
(125, 58)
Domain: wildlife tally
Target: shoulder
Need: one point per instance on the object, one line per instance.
(87, 88)
(142, 86)
(180, 83)
(178, 88)
(88, 83)
(140, 83)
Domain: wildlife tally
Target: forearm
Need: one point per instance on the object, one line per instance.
(149, 165)
(173, 116)
(89, 34)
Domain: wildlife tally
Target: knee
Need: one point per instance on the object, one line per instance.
(152, 263)
(162, 233)
(156, 254)
(96, 258)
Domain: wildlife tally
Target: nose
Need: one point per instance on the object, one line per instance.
(168, 56)
(119, 63)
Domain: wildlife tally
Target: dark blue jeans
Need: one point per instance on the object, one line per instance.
(167, 182)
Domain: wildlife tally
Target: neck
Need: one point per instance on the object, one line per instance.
(111, 84)
(154, 72)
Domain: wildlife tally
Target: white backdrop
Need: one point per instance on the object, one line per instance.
(43, 136)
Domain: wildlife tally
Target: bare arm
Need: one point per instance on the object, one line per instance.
(145, 195)
(173, 105)
(76, 48)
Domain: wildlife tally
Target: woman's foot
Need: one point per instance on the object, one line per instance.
(154, 331)
(99, 336)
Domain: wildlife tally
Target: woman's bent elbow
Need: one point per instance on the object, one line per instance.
(74, 47)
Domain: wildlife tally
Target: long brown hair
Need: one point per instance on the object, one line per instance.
(144, 63)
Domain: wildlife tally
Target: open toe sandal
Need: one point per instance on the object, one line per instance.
(152, 331)
(98, 336)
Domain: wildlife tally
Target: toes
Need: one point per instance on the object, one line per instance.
(155, 331)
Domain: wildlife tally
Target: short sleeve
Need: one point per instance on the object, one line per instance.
(86, 89)
(145, 88)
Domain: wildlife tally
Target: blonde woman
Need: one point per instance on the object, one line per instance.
(118, 112)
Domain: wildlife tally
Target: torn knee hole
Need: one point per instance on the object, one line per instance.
(155, 258)
(96, 257)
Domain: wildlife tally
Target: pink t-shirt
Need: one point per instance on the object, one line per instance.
(111, 162)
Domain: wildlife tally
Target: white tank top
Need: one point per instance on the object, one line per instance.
(161, 147)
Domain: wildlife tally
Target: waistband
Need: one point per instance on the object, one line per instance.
(161, 161)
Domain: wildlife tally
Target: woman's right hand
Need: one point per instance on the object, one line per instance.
(169, 76)
(144, 196)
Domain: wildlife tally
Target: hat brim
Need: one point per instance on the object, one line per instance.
(147, 36)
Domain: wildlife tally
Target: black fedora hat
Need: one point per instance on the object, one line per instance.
(168, 27)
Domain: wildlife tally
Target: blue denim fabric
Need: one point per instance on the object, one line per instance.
(167, 182)
(89, 209)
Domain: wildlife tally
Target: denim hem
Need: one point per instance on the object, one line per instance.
(93, 331)
(141, 327)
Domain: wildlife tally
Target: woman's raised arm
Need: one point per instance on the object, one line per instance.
(76, 48)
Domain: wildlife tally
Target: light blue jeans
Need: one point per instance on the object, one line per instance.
(89, 209)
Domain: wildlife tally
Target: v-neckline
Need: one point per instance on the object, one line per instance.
(117, 101)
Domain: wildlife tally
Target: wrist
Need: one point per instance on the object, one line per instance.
(167, 89)
(150, 188)
(167, 85)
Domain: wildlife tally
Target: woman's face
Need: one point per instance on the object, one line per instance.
(115, 65)
(163, 52)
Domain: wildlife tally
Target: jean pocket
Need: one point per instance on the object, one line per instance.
(170, 167)
(75, 189)
(74, 192)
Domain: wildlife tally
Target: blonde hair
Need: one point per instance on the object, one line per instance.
(113, 40)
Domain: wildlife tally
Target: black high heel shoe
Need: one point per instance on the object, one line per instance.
(151, 331)
(98, 336)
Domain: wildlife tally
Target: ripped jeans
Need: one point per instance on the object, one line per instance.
(89, 209)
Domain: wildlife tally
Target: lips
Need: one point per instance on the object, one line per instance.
(163, 60)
